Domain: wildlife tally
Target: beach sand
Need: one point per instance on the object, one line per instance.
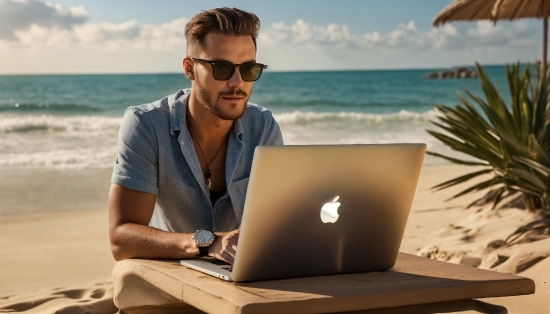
(56, 257)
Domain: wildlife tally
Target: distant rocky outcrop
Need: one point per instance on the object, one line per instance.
(461, 72)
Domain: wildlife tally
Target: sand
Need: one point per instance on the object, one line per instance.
(26, 191)
(56, 257)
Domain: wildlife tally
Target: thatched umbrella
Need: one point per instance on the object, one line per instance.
(494, 10)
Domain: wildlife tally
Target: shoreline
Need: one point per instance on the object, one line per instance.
(27, 191)
(39, 191)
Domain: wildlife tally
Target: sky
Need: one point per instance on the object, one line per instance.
(146, 36)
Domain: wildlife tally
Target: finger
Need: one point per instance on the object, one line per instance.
(234, 233)
(229, 254)
(228, 258)
(232, 243)
(231, 251)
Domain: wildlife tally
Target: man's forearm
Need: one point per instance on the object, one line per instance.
(132, 240)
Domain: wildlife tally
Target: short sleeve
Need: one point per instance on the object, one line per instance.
(136, 166)
(272, 132)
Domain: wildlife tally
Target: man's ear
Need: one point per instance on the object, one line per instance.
(188, 68)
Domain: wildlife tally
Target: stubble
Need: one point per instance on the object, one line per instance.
(216, 109)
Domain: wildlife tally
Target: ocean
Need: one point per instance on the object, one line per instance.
(70, 122)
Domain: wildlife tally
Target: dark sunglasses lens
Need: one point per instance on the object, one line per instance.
(222, 70)
(250, 71)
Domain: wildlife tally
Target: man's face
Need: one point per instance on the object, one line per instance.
(225, 99)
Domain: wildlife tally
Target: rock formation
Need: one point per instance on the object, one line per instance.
(461, 72)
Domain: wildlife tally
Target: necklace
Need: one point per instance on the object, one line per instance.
(208, 174)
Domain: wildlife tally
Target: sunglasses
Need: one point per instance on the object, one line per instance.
(223, 70)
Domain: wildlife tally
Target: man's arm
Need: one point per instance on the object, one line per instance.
(131, 237)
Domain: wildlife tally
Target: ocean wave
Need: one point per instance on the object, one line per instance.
(49, 123)
(81, 142)
(310, 117)
(63, 159)
(313, 103)
(303, 128)
(46, 107)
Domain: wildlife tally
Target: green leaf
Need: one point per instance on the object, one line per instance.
(478, 187)
(457, 161)
(530, 180)
(461, 179)
(540, 168)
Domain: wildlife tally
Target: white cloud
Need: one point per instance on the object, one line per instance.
(36, 25)
(104, 36)
(30, 28)
(303, 33)
(405, 36)
(21, 15)
(485, 35)
(335, 36)
(403, 47)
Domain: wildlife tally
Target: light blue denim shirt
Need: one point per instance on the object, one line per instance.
(156, 155)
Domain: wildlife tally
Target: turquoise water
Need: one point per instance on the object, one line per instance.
(71, 121)
(379, 92)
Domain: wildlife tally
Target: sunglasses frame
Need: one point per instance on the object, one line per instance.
(212, 62)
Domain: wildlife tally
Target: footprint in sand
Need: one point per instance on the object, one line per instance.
(92, 299)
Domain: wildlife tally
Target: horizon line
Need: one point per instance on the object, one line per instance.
(269, 71)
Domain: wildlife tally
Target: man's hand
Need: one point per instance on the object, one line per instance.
(225, 246)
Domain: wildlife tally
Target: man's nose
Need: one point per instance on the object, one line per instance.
(236, 81)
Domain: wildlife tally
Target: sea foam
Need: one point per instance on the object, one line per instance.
(30, 123)
(307, 117)
(63, 159)
(83, 142)
(58, 142)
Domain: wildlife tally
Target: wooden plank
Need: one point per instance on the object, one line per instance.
(414, 280)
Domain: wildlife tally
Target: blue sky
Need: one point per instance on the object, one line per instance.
(146, 36)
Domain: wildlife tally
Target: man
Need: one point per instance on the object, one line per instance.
(190, 153)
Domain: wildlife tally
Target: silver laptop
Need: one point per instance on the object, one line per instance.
(322, 210)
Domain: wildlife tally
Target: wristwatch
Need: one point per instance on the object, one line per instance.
(204, 239)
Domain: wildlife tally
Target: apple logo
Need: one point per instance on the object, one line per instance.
(329, 211)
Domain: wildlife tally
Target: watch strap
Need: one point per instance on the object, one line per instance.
(203, 251)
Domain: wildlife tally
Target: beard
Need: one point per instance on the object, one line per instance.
(216, 109)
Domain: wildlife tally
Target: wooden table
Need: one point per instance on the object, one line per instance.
(415, 284)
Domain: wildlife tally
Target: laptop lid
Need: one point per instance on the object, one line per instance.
(322, 210)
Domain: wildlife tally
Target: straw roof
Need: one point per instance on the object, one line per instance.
(473, 10)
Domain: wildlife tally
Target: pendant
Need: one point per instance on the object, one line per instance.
(208, 181)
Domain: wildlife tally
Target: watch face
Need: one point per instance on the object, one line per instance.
(203, 237)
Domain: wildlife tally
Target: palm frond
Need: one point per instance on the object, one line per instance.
(456, 160)
(513, 141)
(461, 179)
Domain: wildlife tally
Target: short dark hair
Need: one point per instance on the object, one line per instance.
(227, 21)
